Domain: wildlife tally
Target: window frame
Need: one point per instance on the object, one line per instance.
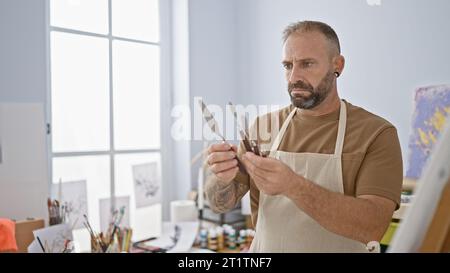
(164, 150)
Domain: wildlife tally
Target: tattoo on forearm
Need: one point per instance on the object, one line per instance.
(224, 198)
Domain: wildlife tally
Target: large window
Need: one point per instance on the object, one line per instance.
(105, 99)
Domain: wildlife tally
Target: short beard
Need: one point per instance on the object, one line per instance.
(318, 94)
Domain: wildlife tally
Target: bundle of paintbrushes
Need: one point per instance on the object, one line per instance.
(115, 239)
(249, 144)
(118, 242)
(98, 244)
(57, 213)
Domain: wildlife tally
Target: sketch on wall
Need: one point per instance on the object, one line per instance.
(73, 196)
(431, 109)
(147, 184)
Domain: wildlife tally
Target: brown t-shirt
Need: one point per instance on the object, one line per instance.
(371, 159)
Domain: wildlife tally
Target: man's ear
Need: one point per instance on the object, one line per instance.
(339, 64)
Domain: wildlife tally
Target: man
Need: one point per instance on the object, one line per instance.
(333, 178)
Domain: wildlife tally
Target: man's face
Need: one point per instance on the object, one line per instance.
(308, 67)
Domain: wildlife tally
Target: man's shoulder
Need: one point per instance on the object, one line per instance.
(366, 120)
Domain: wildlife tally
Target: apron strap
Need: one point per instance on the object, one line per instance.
(283, 129)
(341, 129)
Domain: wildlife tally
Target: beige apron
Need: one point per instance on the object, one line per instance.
(281, 225)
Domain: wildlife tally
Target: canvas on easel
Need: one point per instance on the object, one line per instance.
(426, 224)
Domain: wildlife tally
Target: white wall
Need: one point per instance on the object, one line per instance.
(23, 92)
(212, 56)
(22, 51)
(23, 168)
(390, 50)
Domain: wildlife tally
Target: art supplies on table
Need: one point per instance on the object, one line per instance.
(115, 240)
(225, 239)
(212, 240)
(119, 241)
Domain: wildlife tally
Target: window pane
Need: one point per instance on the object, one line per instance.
(136, 96)
(136, 19)
(80, 92)
(85, 15)
(146, 221)
(96, 171)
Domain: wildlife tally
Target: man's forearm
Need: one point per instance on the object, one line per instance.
(355, 218)
(224, 196)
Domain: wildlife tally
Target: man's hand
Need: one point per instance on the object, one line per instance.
(271, 176)
(222, 161)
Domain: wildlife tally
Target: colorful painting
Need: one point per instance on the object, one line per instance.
(431, 109)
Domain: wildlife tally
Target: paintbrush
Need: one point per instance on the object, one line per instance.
(242, 132)
(250, 145)
(96, 237)
(254, 144)
(210, 120)
(212, 123)
(40, 243)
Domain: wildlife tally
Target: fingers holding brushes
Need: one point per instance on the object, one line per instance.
(223, 162)
(223, 157)
(270, 175)
(250, 145)
(212, 123)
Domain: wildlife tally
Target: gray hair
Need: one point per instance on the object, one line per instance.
(309, 26)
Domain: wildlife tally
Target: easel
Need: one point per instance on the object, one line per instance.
(437, 238)
(426, 225)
